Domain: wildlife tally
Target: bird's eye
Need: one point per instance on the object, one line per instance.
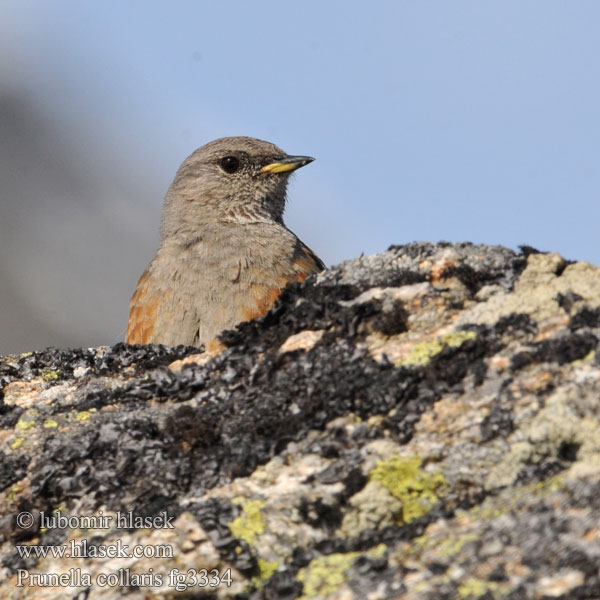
(230, 164)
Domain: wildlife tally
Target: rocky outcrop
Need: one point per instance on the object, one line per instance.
(420, 424)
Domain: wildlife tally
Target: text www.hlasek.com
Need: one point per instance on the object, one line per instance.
(84, 549)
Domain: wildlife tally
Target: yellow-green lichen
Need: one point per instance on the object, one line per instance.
(50, 423)
(22, 425)
(418, 490)
(83, 415)
(325, 574)
(377, 551)
(554, 484)
(471, 589)
(452, 546)
(50, 374)
(266, 568)
(60, 508)
(418, 544)
(250, 523)
(511, 498)
(588, 358)
(445, 547)
(15, 491)
(422, 353)
(17, 443)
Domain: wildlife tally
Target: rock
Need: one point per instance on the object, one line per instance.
(423, 423)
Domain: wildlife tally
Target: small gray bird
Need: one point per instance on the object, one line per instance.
(225, 253)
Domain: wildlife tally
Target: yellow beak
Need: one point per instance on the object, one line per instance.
(282, 164)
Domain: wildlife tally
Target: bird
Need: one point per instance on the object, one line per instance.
(225, 254)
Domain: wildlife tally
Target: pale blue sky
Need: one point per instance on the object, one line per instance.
(464, 121)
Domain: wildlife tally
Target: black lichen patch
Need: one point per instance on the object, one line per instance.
(151, 356)
(190, 425)
(541, 470)
(566, 301)
(12, 468)
(347, 471)
(474, 278)
(477, 265)
(283, 585)
(529, 250)
(319, 308)
(548, 466)
(320, 514)
(469, 277)
(453, 364)
(517, 325)
(9, 415)
(586, 317)
(215, 516)
(562, 350)
(406, 277)
(7, 373)
(390, 321)
(500, 420)
(62, 362)
(415, 251)
(367, 539)
(567, 451)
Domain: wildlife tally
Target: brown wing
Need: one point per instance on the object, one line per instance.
(304, 263)
(144, 309)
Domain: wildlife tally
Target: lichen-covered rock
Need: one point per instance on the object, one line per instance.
(420, 424)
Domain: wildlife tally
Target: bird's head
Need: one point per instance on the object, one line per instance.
(233, 180)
